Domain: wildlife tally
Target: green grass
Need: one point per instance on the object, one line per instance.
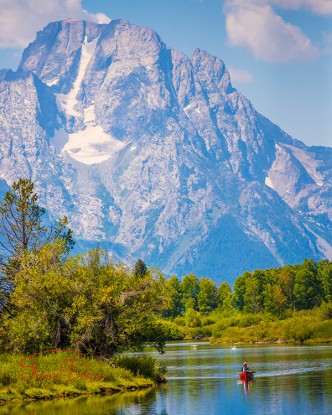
(305, 327)
(57, 374)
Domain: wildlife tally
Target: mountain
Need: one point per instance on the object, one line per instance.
(155, 155)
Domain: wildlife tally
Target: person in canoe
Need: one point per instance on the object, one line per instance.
(246, 374)
(245, 367)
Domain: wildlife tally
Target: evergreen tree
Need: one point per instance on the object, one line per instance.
(140, 269)
(22, 230)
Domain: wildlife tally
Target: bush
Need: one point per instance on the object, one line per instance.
(171, 330)
(325, 311)
(248, 320)
(299, 329)
(199, 333)
(142, 365)
(207, 321)
(193, 318)
(180, 321)
(323, 332)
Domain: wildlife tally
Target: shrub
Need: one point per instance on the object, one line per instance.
(193, 318)
(326, 311)
(172, 331)
(248, 320)
(207, 321)
(200, 333)
(142, 365)
(180, 321)
(299, 329)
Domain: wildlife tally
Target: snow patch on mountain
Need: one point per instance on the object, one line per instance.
(90, 146)
(268, 182)
(68, 102)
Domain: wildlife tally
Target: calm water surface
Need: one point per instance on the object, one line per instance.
(202, 380)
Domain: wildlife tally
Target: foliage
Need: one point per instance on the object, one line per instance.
(192, 318)
(174, 302)
(225, 296)
(300, 287)
(207, 297)
(22, 230)
(301, 327)
(142, 365)
(190, 290)
(140, 269)
(85, 302)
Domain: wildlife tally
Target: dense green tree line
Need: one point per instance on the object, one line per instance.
(297, 287)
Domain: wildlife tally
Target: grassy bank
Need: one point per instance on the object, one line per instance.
(305, 327)
(61, 374)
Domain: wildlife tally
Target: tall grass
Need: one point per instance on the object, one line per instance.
(142, 365)
(302, 327)
(61, 373)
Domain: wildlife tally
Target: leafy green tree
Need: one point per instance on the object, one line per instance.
(324, 272)
(22, 230)
(275, 301)
(240, 290)
(83, 302)
(174, 305)
(287, 275)
(253, 297)
(190, 290)
(308, 289)
(140, 269)
(207, 297)
(225, 296)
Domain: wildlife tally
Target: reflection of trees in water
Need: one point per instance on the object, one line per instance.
(118, 403)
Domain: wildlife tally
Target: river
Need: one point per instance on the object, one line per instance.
(202, 380)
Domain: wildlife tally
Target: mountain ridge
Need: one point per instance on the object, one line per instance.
(155, 155)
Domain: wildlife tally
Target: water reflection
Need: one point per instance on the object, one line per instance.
(203, 379)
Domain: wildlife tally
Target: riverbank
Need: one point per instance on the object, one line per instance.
(300, 327)
(57, 374)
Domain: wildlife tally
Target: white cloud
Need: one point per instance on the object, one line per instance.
(320, 7)
(239, 75)
(21, 19)
(255, 26)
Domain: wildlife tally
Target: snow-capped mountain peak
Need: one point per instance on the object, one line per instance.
(153, 154)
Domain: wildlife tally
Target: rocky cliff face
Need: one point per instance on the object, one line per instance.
(155, 155)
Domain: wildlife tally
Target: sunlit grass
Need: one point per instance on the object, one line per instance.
(306, 327)
(59, 373)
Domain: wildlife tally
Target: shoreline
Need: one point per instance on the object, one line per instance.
(57, 374)
(44, 394)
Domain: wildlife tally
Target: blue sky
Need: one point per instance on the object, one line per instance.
(279, 52)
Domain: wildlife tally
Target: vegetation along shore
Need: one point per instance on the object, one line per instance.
(69, 323)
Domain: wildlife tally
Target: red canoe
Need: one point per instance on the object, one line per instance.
(246, 376)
